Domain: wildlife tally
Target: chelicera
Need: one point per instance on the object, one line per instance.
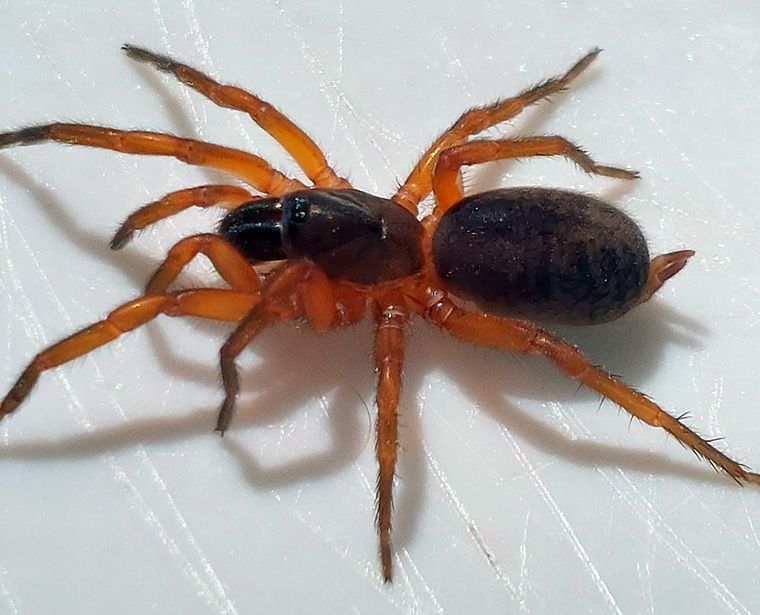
(519, 254)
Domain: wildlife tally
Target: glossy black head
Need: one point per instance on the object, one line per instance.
(255, 229)
(352, 235)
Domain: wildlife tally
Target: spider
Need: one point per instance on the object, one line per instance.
(519, 254)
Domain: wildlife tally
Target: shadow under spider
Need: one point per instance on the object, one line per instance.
(294, 371)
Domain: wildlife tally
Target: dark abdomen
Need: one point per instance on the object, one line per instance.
(542, 253)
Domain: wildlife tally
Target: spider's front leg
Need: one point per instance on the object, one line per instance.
(295, 290)
(391, 315)
(521, 336)
(295, 141)
(217, 304)
(250, 168)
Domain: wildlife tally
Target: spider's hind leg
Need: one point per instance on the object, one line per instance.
(391, 315)
(446, 186)
(419, 183)
(521, 336)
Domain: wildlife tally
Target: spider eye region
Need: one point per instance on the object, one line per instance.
(352, 235)
(298, 210)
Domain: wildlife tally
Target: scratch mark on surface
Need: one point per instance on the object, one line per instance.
(437, 608)
(715, 405)
(27, 30)
(203, 46)
(6, 593)
(11, 270)
(472, 528)
(341, 65)
(212, 590)
(414, 605)
(658, 528)
(523, 586)
(201, 42)
(216, 594)
(329, 84)
(680, 550)
(580, 551)
(645, 574)
(697, 178)
(455, 65)
(752, 527)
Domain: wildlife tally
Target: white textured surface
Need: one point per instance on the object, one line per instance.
(516, 493)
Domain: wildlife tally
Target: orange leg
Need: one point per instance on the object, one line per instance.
(174, 202)
(217, 304)
(294, 290)
(520, 336)
(446, 183)
(254, 170)
(295, 141)
(228, 262)
(350, 302)
(391, 315)
(419, 183)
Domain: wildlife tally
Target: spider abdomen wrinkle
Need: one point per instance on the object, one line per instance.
(543, 254)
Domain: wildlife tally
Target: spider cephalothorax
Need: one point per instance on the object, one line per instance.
(351, 235)
(523, 252)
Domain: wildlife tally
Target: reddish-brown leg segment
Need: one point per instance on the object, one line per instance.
(520, 336)
(419, 183)
(391, 315)
(228, 262)
(252, 169)
(295, 141)
(175, 202)
(217, 304)
(446, 186)
(298, 289)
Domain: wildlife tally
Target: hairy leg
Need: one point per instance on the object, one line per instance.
(391, 315)
(446, 183)
(252, 169)
(225, 258)
(419, 183)
(217, 304)
(521, 336)
(295, 141)
(294, 290)
(175, 202)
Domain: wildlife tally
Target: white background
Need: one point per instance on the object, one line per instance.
(517, 492)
